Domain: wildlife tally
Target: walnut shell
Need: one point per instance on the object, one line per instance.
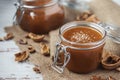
(1, 39)
(9, 36)
(92, 18)
(118, 69)
(23, 41)
(21, 56)
(111, 78)
(100, 78)
(84, 15)
(36, 69)
(45, 50)
(111, 62)
(35, 37)
(31, 49)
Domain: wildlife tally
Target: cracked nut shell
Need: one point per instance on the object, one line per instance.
(1, 39)
(92, 18)
(35, 37)
(100, 78)
(31, 49)
(45, 50)
(21, 56)
(111, 62)
(22, 41)
(9, 36)
(118, 69)
(36, 69)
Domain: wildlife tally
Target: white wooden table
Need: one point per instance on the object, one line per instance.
(9, 69)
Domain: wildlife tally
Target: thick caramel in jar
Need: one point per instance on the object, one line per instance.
(39, 16)
(83, 60)
(82, 35)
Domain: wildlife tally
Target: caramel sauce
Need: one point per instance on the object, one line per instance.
(83, 60)
(82, 35)
(40, 20)
(36, 2)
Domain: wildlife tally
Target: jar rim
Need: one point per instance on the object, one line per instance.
(83, 23)
(52, 2)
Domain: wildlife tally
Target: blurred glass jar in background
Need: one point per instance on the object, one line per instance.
(74, 8)
(39, 16)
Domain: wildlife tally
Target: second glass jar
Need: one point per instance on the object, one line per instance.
(39, 16)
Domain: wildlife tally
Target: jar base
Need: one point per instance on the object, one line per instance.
(82, 72)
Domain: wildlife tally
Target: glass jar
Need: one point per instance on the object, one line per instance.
(79, 57)
(39, 16)
(74, 8)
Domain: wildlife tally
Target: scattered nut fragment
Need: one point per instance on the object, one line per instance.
(30, 35)
(88, 12)
(9, 36)
(100, 78)
(111, 62)
(85, 15)
(35, 37)
(59, 64)
(36, 69)
(97, 78)
(31, 49)
(27, 35)
(39, 38)
(45, 50)
(92, 18)
(1, 39)
(118, 69)
(110, 78)
(23, 41)
(21, 56)
(59, 61)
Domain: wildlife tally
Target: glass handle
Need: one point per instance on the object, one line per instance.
(14, 17)
(59, 48)
(22, 11)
